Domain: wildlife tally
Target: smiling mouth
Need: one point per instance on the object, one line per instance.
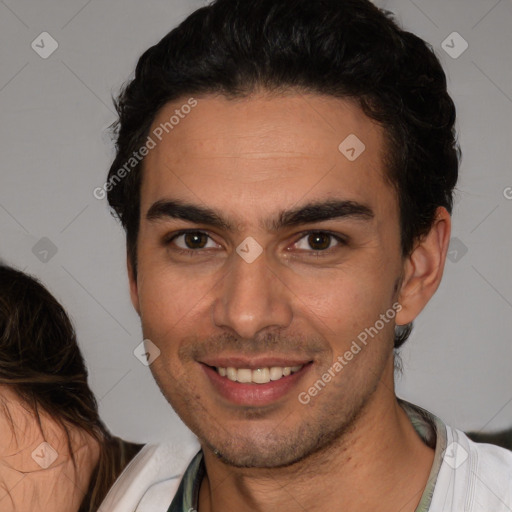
(262, 375)
(251, 384)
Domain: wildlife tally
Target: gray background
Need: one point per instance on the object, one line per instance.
(55, 151)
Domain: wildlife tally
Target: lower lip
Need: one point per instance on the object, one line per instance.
(242, 393)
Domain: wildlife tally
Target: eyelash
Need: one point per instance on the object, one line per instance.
(196, 252)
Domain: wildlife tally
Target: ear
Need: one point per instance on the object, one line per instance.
(134, 290)
(423, 268)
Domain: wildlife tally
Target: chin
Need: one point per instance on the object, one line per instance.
(257, 458)
(268, 449)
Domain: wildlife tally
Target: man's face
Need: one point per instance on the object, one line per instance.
(322, 278)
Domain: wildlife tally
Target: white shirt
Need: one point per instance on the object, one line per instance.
(465, 476)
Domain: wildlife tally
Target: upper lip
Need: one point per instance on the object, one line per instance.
(252, 363)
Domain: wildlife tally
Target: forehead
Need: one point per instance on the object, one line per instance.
(258, 151)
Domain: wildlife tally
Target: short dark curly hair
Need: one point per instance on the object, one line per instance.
(342, 48)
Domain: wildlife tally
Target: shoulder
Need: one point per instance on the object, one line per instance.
(492, 467)
(151, 478)
(476, 477)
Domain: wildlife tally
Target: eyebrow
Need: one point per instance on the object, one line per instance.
(316, 211)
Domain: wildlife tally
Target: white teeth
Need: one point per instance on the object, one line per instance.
(244, 375)
(258, 376)
(276, 373)
(261, 375)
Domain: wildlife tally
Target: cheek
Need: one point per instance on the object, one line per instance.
(342, 301)
(173, 307)
(170, 299)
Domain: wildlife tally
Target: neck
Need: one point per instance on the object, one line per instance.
(381, 463)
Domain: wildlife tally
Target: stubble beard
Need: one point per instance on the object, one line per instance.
(317, 438)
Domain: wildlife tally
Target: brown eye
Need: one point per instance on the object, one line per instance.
(193, 240)
(319, 241)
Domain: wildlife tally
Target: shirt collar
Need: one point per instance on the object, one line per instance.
(433, 433)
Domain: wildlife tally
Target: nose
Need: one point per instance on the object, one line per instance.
(251, 297)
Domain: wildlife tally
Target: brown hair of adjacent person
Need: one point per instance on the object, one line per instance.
(41, 361)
